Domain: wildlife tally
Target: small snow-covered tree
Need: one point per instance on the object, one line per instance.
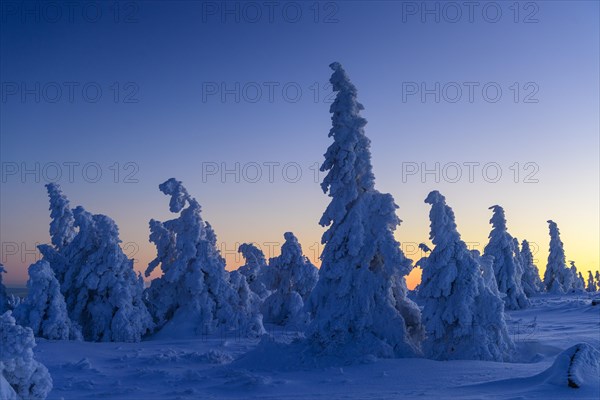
(463, 315)
(194, 286)
(254, 268)
(102, 292)
(359, 305)
(44, 309)
(558, 279)
(578, 281)
(532, 283)
(597, 276)
(4, 299)
(506, 264)
(28, 378)
(591, 284)
(291, 278)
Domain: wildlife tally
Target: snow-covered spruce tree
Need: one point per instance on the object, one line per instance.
(195, 287)
(254, 268)
(558, 279)
(291, 277)
(359, 305)
(464, 317)
(28, 378)
(102, 292)
(4, 300)
(44, 309)
(578, 281)
(532, 284)
(598, 280)
(591, 284)
(507, 266)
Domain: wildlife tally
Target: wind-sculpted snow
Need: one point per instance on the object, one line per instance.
(506, 262)
(44, 309)
(575, 367)
(532, 284)
(558, 279)
(101, 290)
(27, 378)
(359, 305)
(291, 277)
(62, 226)
(195, 290)
(463, 315)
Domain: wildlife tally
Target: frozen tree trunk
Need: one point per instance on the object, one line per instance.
(359, 305)
(463, 313)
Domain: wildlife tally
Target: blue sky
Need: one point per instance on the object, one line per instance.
(186, 86)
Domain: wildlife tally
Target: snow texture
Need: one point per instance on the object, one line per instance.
(291, 277)
(44, 309)
(27, 377)
(101, 290)
(532, 284)
(558, 279)
(464, 317)
(359, 305)
(506, 264)
(195, 289)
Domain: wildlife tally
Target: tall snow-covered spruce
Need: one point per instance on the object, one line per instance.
(506, 264)
(359, 304)
(44, 309)
(291, 277)
(532, 284)
(464, 317)
(558, 279)
(195, 290)
(102, 292)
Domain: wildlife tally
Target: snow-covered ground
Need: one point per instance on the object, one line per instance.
(219, 367)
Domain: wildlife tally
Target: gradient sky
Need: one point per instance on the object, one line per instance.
(172, 59)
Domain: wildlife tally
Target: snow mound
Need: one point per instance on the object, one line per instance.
(577, 366)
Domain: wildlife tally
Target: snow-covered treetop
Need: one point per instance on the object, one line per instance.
(424, 247)
(557, 253)
(443, 227)
(253, 255)
(178, 193)
(62, 229)
(348, 158)
(498, 219)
